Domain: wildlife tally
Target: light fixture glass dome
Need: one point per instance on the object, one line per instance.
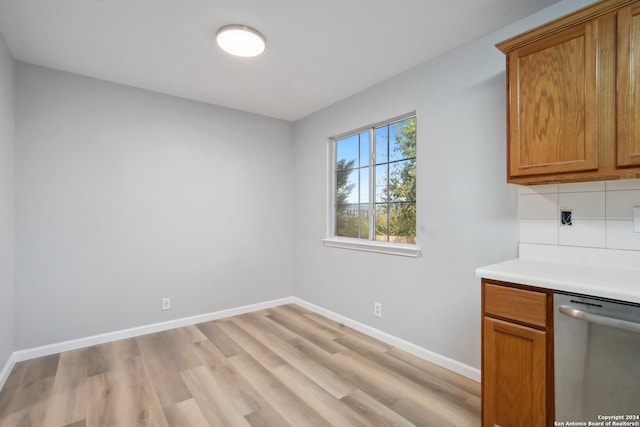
(240, 40)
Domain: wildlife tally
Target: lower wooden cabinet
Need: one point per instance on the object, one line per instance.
(517, 356)
(515, 369)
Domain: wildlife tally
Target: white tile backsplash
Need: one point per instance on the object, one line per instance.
(543, 231)
(620, 204)
(538, 189)
(620, 235)
(602, 214)
(584, 205)
(588, 233)
(623, 184)
(538, 206)
(578, 187)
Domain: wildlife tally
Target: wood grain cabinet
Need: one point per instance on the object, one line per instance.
(573, 101)
(628, 100)
(517, 356)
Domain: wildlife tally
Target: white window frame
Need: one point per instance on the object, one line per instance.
(370, 245)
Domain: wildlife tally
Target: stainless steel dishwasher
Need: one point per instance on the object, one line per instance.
(597, 360)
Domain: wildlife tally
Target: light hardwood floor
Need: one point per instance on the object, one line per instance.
(284, 366)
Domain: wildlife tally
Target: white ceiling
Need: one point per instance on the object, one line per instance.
(318, 52)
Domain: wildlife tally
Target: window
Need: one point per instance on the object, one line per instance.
(374, 183)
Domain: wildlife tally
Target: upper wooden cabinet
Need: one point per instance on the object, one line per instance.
(573, 100)
(553, 101)
(628, 82)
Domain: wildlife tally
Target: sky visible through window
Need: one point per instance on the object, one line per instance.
(356, 148)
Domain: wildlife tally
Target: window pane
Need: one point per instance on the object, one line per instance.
(392, 183)
(347, 187)
(382, 223)
(347, 221)
(347, 152)
(381, 183)
(352, 220)
(364, 221)
(395, 150)
(402, 181)
(402, 139)
(364, 149)
(364, 185)
(402, 223)
(382, 144)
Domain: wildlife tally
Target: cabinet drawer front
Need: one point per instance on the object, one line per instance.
(516, 304)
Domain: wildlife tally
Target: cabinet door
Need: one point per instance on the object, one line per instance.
(514, 375)
(553, 104)
(628, 138)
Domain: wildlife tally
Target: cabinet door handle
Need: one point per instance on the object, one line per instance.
(600, 319)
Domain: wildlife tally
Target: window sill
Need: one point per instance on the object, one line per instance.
(400, 249)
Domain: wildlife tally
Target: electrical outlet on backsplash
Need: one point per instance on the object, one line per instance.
(602, 214)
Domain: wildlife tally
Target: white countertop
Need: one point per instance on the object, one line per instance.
(589, 273)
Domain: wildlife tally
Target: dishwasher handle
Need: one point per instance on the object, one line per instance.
(600, 319)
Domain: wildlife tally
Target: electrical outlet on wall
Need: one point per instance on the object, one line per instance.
(636, 219)
(377, 309)
(166, 303)
(566, 217)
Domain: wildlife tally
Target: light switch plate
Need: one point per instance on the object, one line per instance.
(636, 219)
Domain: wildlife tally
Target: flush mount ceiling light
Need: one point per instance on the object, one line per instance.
(240, 40)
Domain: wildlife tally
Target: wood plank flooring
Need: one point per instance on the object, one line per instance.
(284, 366)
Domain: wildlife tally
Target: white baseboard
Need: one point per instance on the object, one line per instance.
(4, 374)
(444, 361)
(46, 350)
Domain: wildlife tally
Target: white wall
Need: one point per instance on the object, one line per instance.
(126, 196)
(602, 214)
(7, 163)
(467, 214)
